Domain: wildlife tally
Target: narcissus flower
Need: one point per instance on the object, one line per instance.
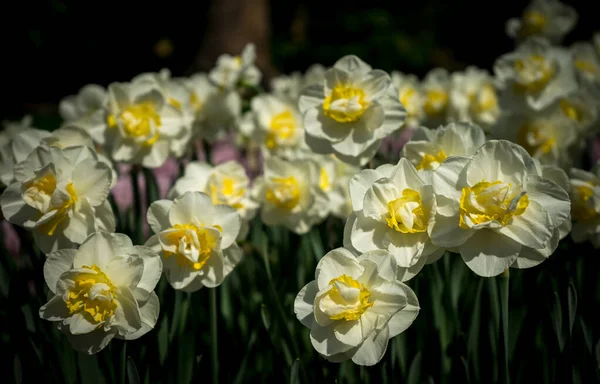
(585, 208)
(355, 305)
(143, 127)
(436, 93)
(497, 209)
(102, 290)
(351, 111)
(87, 110)
(534, 75)
(196, 240)
(428, 148)
(544, 18)
(411, 97)
(394, 210)
(289, 194)
(290, 86)
(226, 183)
(61, 196)
(586, 61)
(474, 98)
(232, 70)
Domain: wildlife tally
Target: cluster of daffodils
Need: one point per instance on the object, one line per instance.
(491, 172)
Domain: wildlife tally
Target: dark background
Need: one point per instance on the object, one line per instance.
(52, 48)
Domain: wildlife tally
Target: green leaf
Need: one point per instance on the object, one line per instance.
(572, 303)
(557, 321)
(17, 370)
(414, 373)
(176, 315)
(475, 332)
(89, 372)
(240, 375)
(294, 372)
(587, 337)
(163, 340)
(264, 315)
(132, 374)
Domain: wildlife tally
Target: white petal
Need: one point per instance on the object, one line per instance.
(190, 207)
(127, 314)
(91, 179)
(228, 219)
(55, 309)
(553, 198)
(100, 248)
(324, 341)
(531, 229)
(405, 317)
(14, 208)
(500, 160)
(348, 332)
(382, 192)
(232, 255)
(488, 253)
(304, 303)
(372, 349)
(406, 176)
(158, 215)
(449, 178)
(149, 312)
(360, 183)
(125, 272)
(56, 264)
(92, 342)
(336, 263)
(79, 324)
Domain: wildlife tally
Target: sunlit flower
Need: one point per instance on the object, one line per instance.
(290, 86)
(61, 196)
(232, 70)
(409, 94)
(496, 209)
(581, 107)
(196, 240)
(102, 290)
(428, 148)
(289, 194)
(226, 183)
(534, 75)
(355, 305)
(17, 141)
(585, 205)
(334, 177)
(143, 127)
(544, 18)
(394, 210)
(87, 110)
(586, 61)
(436, 92)
(351, 111)
(473, 97)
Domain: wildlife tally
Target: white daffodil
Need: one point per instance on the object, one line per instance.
(535, 75)
(428, 148)
(196, 240)
(87, 110)
(560, 178)
(543, 18)
(233, 70)
(17, 141)
(355, 305)
(411, 97)
(102, 290)
(473, 98)
(585, 205)
(278, 128)
(394, 210)
(581, 107)
(547, 135)
(586, 61)
(289, 194)
(436, 93)
(288, 86)
(226, 183)
(143, 127)
(351, 111)
(61, 196)
(496, 209)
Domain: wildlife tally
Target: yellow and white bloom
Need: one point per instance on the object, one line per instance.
(535, 75)
(143, 127)
(497, 210)
(226, 183)
(473, 98)
(355, 305)
(61, 196)
(586, 61)
(233, 70)
(351, 111)
(411, 97)
(102, 290)
(87, 110)
(17, 141)
(289, 194)
(436, 92)
(196, 240)
(394, 210)
(581, 107)
(585, 205)
(543, 18)
(428, 148)
(278, 125)
(547, 135)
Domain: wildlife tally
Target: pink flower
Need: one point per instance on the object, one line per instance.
(12, 242)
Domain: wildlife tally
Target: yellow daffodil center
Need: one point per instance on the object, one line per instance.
(195, 244)
(587, 66)
(282, 127)
(195, 102)
(350, 299)
(485, 100)
(436, 102)
(570, 110)
(283, 192)
(533, 73)
(406, 214)
(175, 103)
(111, 121)
(141, 122)
(431, 162)
(324, 181)
(62, 212)
(345, 104)
(536, 137)
(407, 98)
(226, 190)
(491, 201)
(533, 23)
(582, 204)
(93, 295)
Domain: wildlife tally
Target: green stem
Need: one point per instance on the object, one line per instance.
(504, 289)
(214, 339)
(123, 359)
